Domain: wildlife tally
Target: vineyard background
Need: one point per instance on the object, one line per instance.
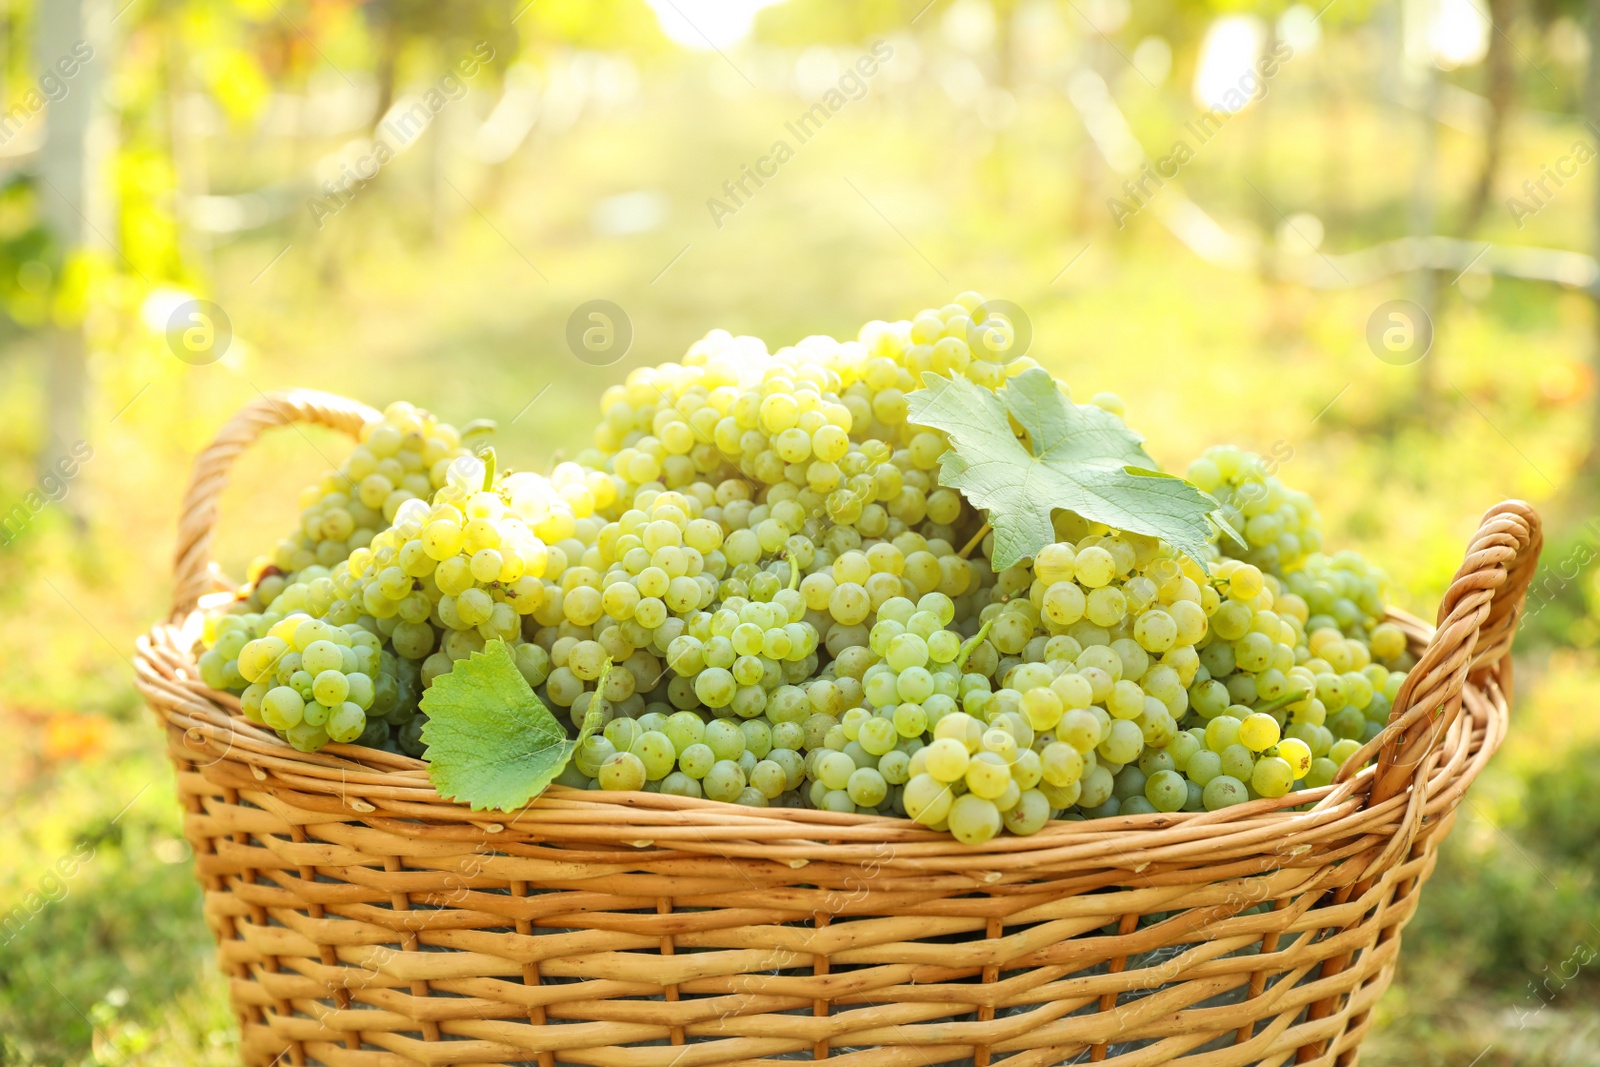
(1437, 151)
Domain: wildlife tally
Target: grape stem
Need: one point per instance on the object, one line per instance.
(1291, 697)
(600, 682)
(794, 571)
(488, 467)
(971, 643)
(477, 428)
(977, 539)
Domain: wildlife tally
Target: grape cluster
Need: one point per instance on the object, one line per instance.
(757, 581)
(404, 456)
(1280, 526)
(307, 678)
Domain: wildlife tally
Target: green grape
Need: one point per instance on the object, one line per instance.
(696, 760)
(715, 687)
(330, 687)
(1181, 748)
(866, 787)
(947, 759)
(895, 766)
(1137, 805)
(306, 737)
(346, 722)
(1203, 766)
(685, 728)
(910, 720)
(1224, 791)
(1166, 790)
(1062, 764)
(1081, 729)
(1028, 815)
(1272, 777)
(1238, 762)
(622, 770)
(1128, 782)
(834, 769)
(1095, 567)
(679, 784)
(1321, 772)
(987, 775)
(1154, 760)
(906, 651)
(974, 819)
(250, 701)
(1296, 753)
(1259, 732)
(592, 752)
(928, 800)
(725, 739)
(770, 778)
(725, 781)
(1221, 732)
(282, 708)
(1123, 743)
(656, 753)
(757, 737)
(1342, 750)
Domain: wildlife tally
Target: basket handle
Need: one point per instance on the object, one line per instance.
(191, 567)
(1477, 621)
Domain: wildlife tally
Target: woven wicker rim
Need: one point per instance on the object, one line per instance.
(1426, 755)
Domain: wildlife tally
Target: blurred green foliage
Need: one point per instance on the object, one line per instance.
(448, 280)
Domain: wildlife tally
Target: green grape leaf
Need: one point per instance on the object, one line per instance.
(1074, 457)
(491, 742)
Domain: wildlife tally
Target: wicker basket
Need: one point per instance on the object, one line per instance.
(361, 919)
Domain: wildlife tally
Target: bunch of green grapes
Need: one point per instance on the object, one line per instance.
(1248, 684)
(902, 682)
(821, 424)
(404, 456)
(1273, 707)
(644, 578)
(1345, 592)
(744, 761)
(1280, 526)
(450, 574)
(1091, 666)
(732, 671)
(314, 682)
(757, 581)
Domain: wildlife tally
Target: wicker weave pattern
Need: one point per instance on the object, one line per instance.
(362, 920)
